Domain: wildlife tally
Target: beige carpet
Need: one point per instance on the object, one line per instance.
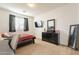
(44, 48)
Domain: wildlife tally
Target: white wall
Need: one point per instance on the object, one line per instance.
(64, 16)
(4, 21)
(38, 31)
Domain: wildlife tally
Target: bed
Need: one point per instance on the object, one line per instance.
(25, 38)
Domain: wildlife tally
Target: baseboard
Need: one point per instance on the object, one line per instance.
(63, 45)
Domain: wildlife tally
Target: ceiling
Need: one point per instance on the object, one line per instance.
(23, 8)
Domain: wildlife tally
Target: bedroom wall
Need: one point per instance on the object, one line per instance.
(4, 21)
(38, 31)
(64, 16)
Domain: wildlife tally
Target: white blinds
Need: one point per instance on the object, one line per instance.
(19, 24)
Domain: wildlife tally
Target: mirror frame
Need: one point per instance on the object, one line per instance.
(48, 28)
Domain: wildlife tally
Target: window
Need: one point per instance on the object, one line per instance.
(18, 24)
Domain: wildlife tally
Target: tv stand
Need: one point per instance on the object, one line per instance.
(50, 36)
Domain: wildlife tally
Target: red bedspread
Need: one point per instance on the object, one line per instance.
(25, 37)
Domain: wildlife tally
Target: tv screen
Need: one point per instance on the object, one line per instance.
(39, 24)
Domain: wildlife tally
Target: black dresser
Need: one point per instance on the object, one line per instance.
(50, 36)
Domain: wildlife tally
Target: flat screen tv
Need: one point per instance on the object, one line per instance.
(39, 24)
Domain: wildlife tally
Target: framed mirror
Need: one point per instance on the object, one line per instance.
(51, 25)
(73, 34)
